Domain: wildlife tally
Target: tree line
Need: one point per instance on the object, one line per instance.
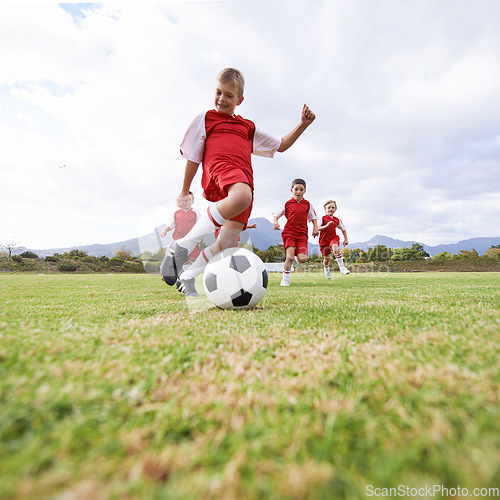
(124, 261)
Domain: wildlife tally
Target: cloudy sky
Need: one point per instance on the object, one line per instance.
(95, 99)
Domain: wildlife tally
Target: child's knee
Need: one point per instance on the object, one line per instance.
(240, 196)
(301, 258)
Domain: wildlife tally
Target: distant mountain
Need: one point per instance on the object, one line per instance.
(479, 244)
(264, 236)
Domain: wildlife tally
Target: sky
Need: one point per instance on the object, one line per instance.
(95, 100)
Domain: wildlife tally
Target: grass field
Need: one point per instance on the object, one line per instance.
(111, 387)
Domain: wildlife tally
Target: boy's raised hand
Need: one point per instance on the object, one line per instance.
(307, 116)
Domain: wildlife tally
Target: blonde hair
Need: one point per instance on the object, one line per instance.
(329, 202)
(232, 75)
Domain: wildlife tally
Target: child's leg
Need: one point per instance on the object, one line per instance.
(301, 258)
(290, 256)
(239, 198)
(301, 250)
(326, 262)
(340, 259)
(228, 238)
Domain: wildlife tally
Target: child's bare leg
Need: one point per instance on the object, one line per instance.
(290, 257)
(239, 198)
(301, 258)
(326, 260)
(326, 265)
(228, 238)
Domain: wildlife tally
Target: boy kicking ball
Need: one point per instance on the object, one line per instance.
(223, 143)
(329, 240)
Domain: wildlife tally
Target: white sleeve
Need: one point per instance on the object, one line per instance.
(311, 214)
(341, 225)
(264, 144)
(198, 215)
(280, 212)
(193, 144)
(171, 222)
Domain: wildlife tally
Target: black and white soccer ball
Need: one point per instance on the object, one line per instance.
(235, 279)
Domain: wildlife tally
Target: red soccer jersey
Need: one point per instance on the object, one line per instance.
(298, 214)
(330, 233)
(182, 222)
(224, 143)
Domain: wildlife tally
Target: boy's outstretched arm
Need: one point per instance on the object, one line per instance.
(189, 173)
(306, 118)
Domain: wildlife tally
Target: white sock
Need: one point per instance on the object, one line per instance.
(211, 220)
(286, 276)
(197, 266)
(340, 260)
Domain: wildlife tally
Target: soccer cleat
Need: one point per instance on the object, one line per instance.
(344, 270)
(187, 287)
(327, 273)
(171, 267)
(284, 283)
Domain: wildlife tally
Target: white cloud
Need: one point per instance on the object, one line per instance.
(406, 137)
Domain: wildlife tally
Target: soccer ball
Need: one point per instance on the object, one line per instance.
(235, 279)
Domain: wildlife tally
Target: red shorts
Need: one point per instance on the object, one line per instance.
(300, 243)
(217, 189)
(326, 248)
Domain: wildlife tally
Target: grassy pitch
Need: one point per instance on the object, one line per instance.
(111, 387)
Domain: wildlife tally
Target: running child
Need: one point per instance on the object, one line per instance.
(329, 240)
(223, 142)
(182, 221)
(298, 212)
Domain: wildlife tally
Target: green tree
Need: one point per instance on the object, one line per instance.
(29, 255)
(493, 252)
(75, 254)
(418, 251)
(443, 256)
(358, 255)
(468, 254)
(124, 254)
(379, 253)
(274, 253)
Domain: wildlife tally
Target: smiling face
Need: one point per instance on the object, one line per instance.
(227, 97)
(298, 191)
(330, 208)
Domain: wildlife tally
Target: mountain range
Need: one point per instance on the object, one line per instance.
(264, 236)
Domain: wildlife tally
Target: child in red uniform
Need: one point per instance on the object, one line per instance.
(182, 221)
(298, 212)
(328, 239)
(223, 143)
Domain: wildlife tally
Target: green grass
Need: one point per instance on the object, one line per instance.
(112, 387)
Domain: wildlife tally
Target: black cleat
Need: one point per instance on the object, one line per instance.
(171, 267)
(187, 287)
